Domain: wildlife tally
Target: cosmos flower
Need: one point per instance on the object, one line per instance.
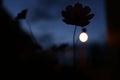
(77, 15)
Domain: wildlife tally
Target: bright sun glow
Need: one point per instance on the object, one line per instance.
(83, 37)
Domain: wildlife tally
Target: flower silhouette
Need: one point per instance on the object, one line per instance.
(77, 15)
(22, 14)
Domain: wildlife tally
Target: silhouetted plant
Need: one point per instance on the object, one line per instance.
(22, 16)
(77, 15)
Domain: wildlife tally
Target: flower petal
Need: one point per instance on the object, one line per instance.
(87, 10)
(77, 15)
(90, 16)
(78, 6)
(83, 23)
(63, 13)
(67, 21)
(69, 8)
(78, 9)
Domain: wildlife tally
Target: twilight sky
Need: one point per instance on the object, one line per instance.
(45, 19)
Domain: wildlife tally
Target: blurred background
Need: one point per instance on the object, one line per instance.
(45, 19)
(52, 51)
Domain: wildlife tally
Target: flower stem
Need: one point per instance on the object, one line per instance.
(74, 51)
(31, 33)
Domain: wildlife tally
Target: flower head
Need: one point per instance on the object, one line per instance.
(77, 15)
(22, 14)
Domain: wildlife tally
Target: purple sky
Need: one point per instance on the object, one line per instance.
(46, 20)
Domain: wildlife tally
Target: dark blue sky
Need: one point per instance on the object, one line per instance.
(46, 20)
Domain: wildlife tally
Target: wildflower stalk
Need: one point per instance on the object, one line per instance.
(31, 33)
(74, 46)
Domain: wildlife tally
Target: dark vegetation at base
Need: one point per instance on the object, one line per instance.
(20, 55)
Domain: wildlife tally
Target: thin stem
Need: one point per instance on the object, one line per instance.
(31, 33)
(77, 41)
(74, 51)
